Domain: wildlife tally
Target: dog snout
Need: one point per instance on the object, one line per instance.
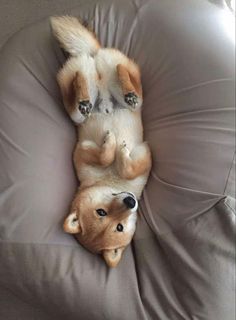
(130, 202)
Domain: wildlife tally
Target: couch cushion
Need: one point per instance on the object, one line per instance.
(181, 262)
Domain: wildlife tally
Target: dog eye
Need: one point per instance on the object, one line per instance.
(101, 212)
(119, 227)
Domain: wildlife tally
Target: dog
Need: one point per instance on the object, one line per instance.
(102, 93)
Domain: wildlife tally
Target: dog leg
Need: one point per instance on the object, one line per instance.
(90, 153)
(133, 164)
(78, 84)
(130, 83)
(82, 94)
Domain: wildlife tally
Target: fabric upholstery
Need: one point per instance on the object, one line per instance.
(181, 262)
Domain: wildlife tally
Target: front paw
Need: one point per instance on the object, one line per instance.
(123, 145)
(85, 107)
(109, 138)
(124, 149)
(132, 100)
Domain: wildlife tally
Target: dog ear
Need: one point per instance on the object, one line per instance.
(112, 256)
(71, 223)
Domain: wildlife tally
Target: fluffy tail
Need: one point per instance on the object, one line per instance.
(73, 36)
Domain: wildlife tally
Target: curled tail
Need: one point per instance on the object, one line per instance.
(73, 36)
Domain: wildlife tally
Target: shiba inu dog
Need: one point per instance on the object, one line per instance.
(102, 93)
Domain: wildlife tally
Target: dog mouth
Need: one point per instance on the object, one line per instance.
(129, 200)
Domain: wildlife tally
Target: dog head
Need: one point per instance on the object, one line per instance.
(103, 221)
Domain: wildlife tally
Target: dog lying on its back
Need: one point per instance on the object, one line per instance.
(102, 92)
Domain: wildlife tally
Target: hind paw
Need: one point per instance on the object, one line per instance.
(132, 99)
(85, 107)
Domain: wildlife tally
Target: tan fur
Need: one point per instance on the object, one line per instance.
(68, 92)
(111, 160)
(95, 155)
(130, 168)
(98, 233)
(74, 89)
(129, 80)
(81, 87)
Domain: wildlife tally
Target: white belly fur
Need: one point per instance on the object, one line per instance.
(127, 126)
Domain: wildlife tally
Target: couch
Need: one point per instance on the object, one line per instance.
(181, 262)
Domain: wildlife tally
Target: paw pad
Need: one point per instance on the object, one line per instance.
(85, 107)
(131, 99)
(123, 144)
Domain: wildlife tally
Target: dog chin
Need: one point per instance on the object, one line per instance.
(77, 117)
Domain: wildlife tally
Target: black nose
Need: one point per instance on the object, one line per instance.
(129, 202)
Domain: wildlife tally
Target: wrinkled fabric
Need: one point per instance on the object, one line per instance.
(181, 263)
